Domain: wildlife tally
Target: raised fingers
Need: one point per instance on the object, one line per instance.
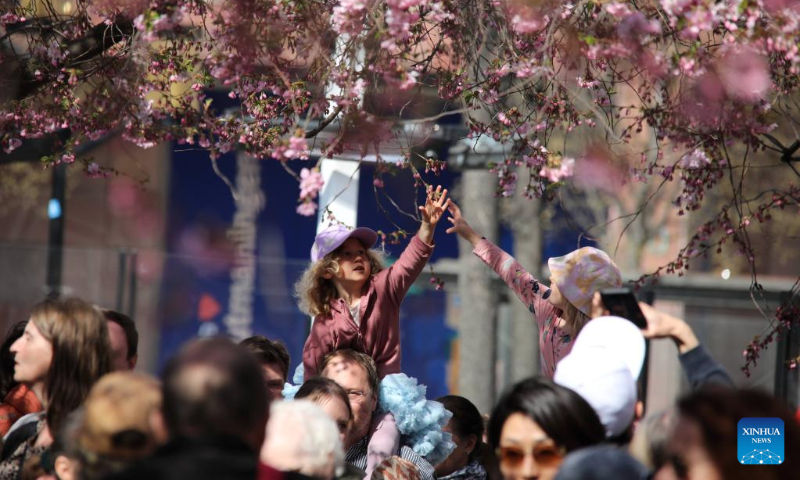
(446, 204)
(454, 210)
(442, 197)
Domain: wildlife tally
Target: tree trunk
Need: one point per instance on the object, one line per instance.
(477, 323)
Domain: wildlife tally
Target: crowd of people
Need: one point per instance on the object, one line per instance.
(74, 409)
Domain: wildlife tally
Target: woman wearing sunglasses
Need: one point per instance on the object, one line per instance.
(535, 424)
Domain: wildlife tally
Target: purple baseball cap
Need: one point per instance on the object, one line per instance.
(334, 236)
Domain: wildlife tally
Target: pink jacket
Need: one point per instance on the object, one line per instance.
(379, 334)
(554, 343)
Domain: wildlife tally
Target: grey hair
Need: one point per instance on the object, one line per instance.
(311, 434)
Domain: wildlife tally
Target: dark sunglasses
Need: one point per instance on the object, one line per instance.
(544, 455)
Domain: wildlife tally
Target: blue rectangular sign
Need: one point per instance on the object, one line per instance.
(760, 441)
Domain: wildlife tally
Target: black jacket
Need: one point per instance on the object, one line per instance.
(211, 458)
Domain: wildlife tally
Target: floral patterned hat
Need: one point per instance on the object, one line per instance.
(396, 468)
(581, 273)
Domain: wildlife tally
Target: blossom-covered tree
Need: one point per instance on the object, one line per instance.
(684, 95)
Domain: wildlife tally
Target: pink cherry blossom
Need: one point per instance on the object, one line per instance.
(699, 20)
(635, 26)
(9, 17)
(671, 87)
(307, 208)
(94, 170)
(409, 81)
(358, 88)
(619, 10)
(695, 160)
(528, 22)
(676, 7)
(311, 183)
(13, 144)
(298, 148)
(348, 15)
(54, 53)
(744, 73)
(597, 171)
(562, 171)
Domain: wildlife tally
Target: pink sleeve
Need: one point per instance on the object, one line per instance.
(317, 344)
(404, 272)
(389, 362)
(384, 441)
(392, 284)
(527, 288)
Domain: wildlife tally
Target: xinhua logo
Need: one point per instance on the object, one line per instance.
(761, 441)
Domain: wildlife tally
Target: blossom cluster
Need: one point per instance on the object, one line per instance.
(674, 84)
(310, 184)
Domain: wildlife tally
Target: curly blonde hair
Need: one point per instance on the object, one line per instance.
(314, 292)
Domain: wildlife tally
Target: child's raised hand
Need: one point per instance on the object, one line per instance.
(460, 226)
(433, 210)
(435, 206)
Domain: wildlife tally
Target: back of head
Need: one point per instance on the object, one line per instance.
(649, 443)
(213, 387)
(563, 414)
(606, 385)
(268, 352)
(129, 327)
(117, 425)
(466, 420)
(601, 462)
(65, 444)
(78, 334)
(717, 411)
(320, 389)
(301, 437)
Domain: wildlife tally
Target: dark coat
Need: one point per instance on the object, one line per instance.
(211, 458)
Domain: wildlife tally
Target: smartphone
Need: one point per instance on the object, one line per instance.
(622, 303)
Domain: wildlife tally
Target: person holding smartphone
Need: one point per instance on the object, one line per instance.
(700, 367)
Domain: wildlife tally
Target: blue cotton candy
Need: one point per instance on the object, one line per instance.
(289, 390)
(299, 372)
(419, 419)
